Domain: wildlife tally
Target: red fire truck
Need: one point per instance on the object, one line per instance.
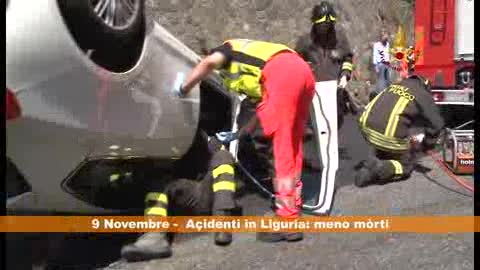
(444, 32)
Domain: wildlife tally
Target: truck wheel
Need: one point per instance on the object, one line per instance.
(112, 29)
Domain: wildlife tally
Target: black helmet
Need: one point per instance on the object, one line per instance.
(423, 81)
(323, 12)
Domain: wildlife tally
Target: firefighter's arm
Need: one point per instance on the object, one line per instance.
(347, 67)
(302, 48)
(347, 56)
(249, 127)
(202, 70)
(432, 117)
(229, 136)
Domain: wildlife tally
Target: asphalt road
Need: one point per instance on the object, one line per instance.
(429, 192)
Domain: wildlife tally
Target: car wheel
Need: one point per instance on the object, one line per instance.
(110, 31)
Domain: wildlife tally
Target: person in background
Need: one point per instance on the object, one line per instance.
(328, 51)
(381, 61)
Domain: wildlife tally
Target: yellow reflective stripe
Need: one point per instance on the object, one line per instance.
(156, 211)
(363, 119)
(347, 66)
(224, 168)
(398, 167)
(385, 145)
(114, 177)
(397, 117)
(393, 113)
(323, 19)
(156, 196)
(224, 185)
(387, 142)
(382, 137)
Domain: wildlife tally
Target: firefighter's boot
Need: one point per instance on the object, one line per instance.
(224, 187)
(152, 245)
(368, 172)
(272, 237)
(223, 238)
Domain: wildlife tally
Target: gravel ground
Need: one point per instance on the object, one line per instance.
(425, 193)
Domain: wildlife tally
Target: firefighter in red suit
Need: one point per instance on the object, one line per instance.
(282, 85)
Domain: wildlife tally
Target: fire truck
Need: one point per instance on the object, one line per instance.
(444, 36)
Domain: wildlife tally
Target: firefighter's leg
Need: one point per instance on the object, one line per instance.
(366, 170)
(289, 86)
(255, 150)
(151, 245)
(298, 139)
(397, 166)
(341, 106)
(189, 198)
(223, 185)
(285, 184)
(287, 187)
(384, 168)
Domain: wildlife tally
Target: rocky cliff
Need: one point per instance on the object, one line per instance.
(206, 23)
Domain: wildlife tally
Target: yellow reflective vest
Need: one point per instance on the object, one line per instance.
(249, 57)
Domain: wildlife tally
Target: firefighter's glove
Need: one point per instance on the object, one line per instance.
(343, 82)
(428, 144)
(416, 142)
(226, 136)
(179, 92)
(177, 85)
(214, 144)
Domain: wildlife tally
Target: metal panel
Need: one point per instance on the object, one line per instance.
(325, 112)
(464, 29)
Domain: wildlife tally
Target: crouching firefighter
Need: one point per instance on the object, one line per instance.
(388, 123)
(211, 193)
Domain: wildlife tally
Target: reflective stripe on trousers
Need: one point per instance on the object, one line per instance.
(223, 187)
(156, 204)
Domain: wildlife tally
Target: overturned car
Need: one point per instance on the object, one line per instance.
(90, 109)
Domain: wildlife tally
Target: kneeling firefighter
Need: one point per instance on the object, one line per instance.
(212, 192)
(388, 124)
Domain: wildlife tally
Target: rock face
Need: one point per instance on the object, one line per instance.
(203, 24)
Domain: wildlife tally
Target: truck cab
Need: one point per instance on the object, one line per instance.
(445, 38)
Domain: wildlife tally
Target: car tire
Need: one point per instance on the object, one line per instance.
(105, 42)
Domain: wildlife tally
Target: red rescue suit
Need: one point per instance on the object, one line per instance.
(287, 86)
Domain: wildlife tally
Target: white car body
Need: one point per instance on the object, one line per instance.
(74, 111)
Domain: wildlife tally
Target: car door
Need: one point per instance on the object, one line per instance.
(320, 153)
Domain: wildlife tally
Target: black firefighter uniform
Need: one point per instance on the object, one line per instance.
(212, 193)
(329, 65)
(387, 124)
